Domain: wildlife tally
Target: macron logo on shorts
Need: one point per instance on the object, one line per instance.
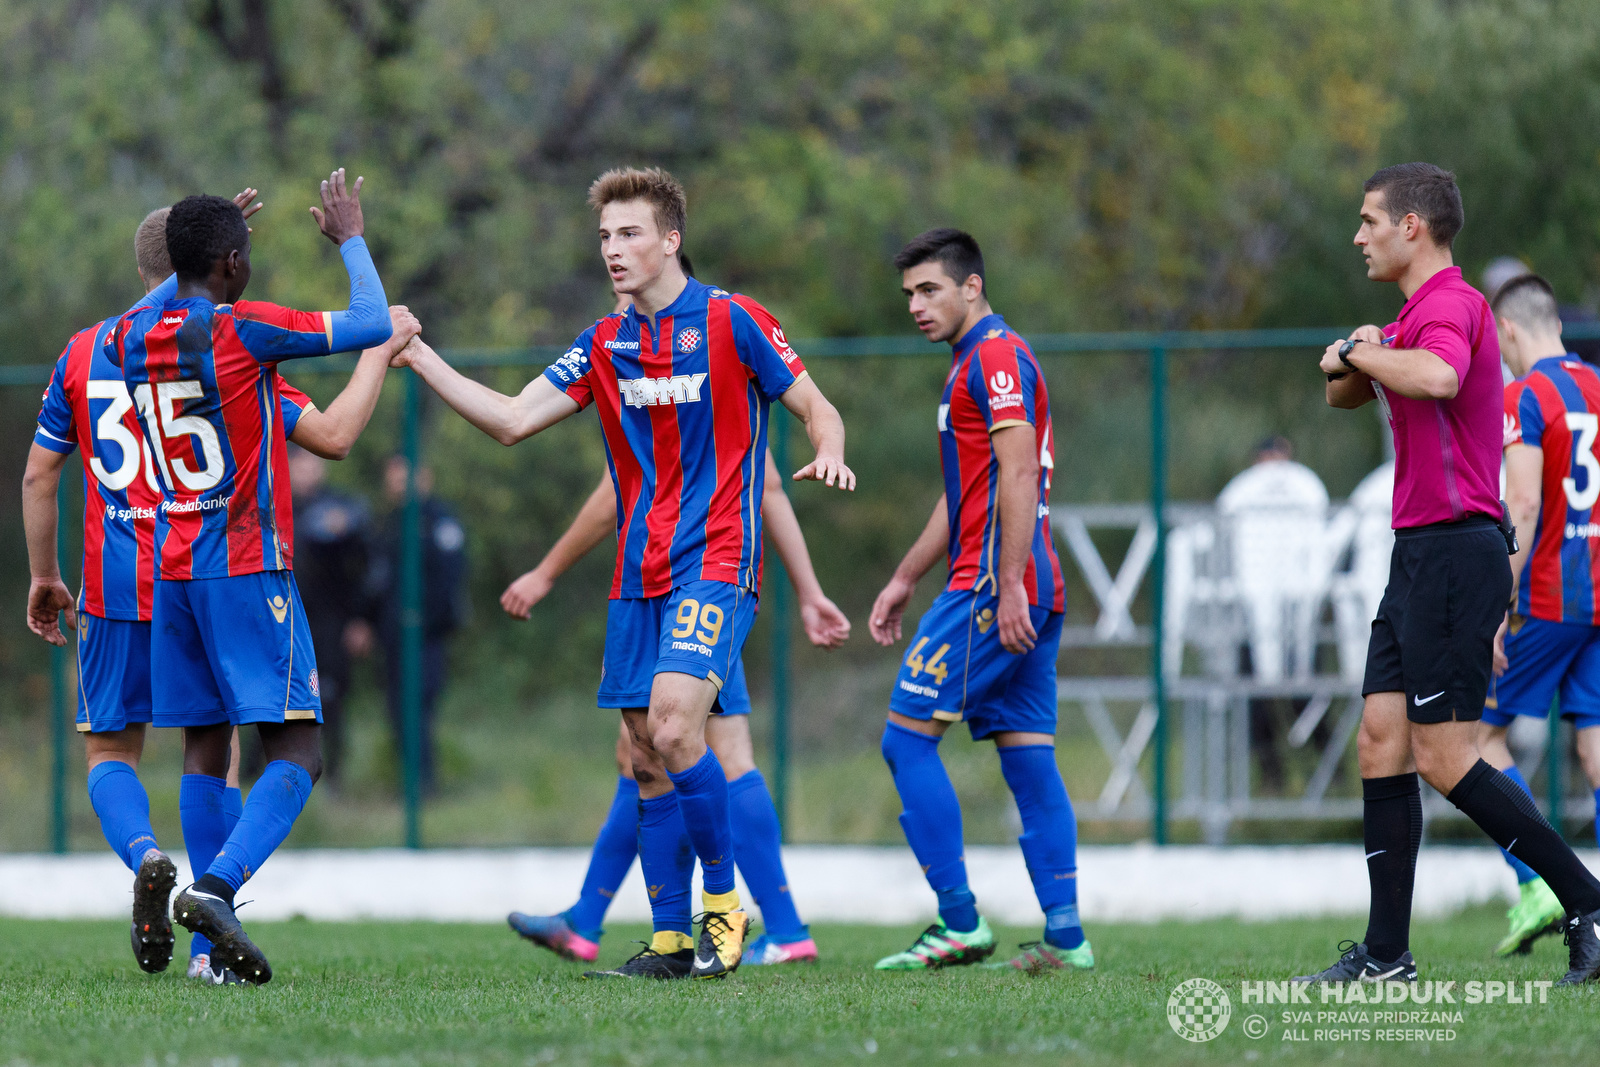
(280, 608)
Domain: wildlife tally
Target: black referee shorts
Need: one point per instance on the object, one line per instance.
(1433, 639)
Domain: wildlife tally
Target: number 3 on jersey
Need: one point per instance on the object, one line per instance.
(1583, 425)
(934, 664)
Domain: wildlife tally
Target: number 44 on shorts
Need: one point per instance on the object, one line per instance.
(934, 664)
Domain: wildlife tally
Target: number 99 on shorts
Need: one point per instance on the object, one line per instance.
(704, 621)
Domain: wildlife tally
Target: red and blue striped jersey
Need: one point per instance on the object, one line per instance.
(683, 400)
(214, 427)
(994, 382)
(1556, 408)
(87, 406)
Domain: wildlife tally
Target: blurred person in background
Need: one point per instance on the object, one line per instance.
(1270, 472)
(1504, 269)
(444, 570)
(331, 566)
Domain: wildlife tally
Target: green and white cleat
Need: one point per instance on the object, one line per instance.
(1536, 914)
(939, 946)
(1038, 958)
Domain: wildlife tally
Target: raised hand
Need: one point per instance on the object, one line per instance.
(46, 598)
(828, 470)
(242, 202)
(340, 216)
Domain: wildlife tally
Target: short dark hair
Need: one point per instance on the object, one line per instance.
(1425, 190)
(956, 250)
(1530, 302)
(202, 230)
(683, 262)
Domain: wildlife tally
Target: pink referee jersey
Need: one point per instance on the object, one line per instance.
(1447, 452)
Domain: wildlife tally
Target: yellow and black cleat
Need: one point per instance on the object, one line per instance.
(721, 943)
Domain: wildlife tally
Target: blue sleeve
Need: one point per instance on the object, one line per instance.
(570, 373)
(1531, 415)
(366, 323)
(55, 429)
(159, 295)
(290, 413)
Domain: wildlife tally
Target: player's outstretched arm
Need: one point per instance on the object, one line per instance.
(332, 433)
(890, 607)
(825, 624)
(507, 419)
(48, 595)
(366, 323)
(1017, 507)
(596, 519)
(825, 429)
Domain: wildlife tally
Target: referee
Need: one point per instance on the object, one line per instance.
(1436, 372)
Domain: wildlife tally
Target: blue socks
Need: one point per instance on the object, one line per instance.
(756, 837)
(201, 808)
(666, 859)
(268, 816)
(1523, 871)
(613, 854)
(123, 806)
(1049, 837)
(703, 797)
(931, 820)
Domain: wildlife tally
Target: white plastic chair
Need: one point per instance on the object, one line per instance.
(1275, 516)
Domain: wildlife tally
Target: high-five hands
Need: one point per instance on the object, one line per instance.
(340, 215)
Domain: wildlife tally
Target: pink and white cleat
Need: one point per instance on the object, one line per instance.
(764, 950)
(553, 932)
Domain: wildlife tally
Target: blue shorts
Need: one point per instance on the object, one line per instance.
(734, 697)
(232, 650)
(697, 629)
(113, 673)
(1547, 658)
(957, 671)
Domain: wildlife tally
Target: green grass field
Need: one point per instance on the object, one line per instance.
(465, 994)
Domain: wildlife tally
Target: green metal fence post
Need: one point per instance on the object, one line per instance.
(779, 436)
(411, 616)
(1555, 776)
(58, 706)
(1158, 586)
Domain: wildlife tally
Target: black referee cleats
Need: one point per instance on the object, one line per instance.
(648, 963)
(1582, 935)
(152, 922)
(1356, 965)
(231, 948)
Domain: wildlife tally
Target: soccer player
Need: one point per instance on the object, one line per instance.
(229, 636)
(1549, 641)
(87, 406)
(1437, 373)
(985, 652)
(682, 383)
(575, 933)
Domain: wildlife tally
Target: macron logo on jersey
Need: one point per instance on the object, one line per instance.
(654, 392)
(1003, 391)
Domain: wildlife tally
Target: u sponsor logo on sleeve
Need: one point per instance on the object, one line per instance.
(1003, 391)
(781, 343)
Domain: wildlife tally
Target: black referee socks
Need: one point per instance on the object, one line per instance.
(1507, 814)
(1391, 826)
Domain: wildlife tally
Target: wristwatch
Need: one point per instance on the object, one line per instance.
(1345, 350)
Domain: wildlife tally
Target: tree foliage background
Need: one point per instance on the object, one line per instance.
(1125, 163)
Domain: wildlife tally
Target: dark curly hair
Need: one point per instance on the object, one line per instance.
(202, 230)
